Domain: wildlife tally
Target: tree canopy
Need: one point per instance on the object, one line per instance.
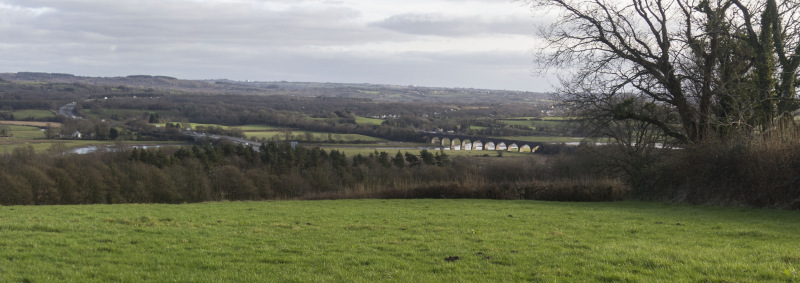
(688, 70)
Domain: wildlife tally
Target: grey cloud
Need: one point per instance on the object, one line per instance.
(438, 24)
(201, 41)
(191, 22)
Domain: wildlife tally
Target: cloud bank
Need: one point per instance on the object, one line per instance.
(481, 44)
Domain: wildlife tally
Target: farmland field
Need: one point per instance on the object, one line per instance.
(398, 240)
(26, 132)
(259, 128)
(35, 114)
(31, 123)
(368, 121)
(304, 135)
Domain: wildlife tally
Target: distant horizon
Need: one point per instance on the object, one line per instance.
(271, 81)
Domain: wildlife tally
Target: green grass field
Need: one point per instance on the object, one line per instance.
(368, 121)
(258, 128)
(319, 136)
(194, 125)
(26, 132)
(35, 114)
(398, 240)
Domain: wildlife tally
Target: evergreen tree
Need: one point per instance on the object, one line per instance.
(399, 160)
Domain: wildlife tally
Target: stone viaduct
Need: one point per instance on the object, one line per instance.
(463, 142)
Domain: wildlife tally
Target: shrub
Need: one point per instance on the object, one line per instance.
(763, 172)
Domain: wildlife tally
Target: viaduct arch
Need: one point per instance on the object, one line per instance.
(461, 142)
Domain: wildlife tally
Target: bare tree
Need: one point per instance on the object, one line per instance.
(692, 69)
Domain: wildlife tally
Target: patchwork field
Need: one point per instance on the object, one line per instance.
(368, 121)
(398, 240)
(35, 114)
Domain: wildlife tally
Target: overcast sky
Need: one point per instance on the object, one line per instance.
(450, 43)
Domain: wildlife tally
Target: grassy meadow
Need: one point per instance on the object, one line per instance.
(34, 114)
(26, 132)
(315, 136)
(368, 121)
(398, 240)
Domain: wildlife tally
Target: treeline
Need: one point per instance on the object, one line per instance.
(277, 171)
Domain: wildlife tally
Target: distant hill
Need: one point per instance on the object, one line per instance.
(374, 92)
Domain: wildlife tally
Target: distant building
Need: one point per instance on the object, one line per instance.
(76, 135)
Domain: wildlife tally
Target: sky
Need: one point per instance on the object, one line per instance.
(437, 43)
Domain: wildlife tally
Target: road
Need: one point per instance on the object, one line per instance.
(68, 110)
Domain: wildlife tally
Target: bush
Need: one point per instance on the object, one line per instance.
(761, 173)
(587, 189)
(14, 190)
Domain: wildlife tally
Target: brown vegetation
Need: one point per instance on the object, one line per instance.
(760, 172)
(277, 171)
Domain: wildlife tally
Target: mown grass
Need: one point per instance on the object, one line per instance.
(398, 240)
(35, 114)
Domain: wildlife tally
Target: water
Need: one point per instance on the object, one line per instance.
(92, 149)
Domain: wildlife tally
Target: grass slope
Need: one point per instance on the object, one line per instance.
(398, 240)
